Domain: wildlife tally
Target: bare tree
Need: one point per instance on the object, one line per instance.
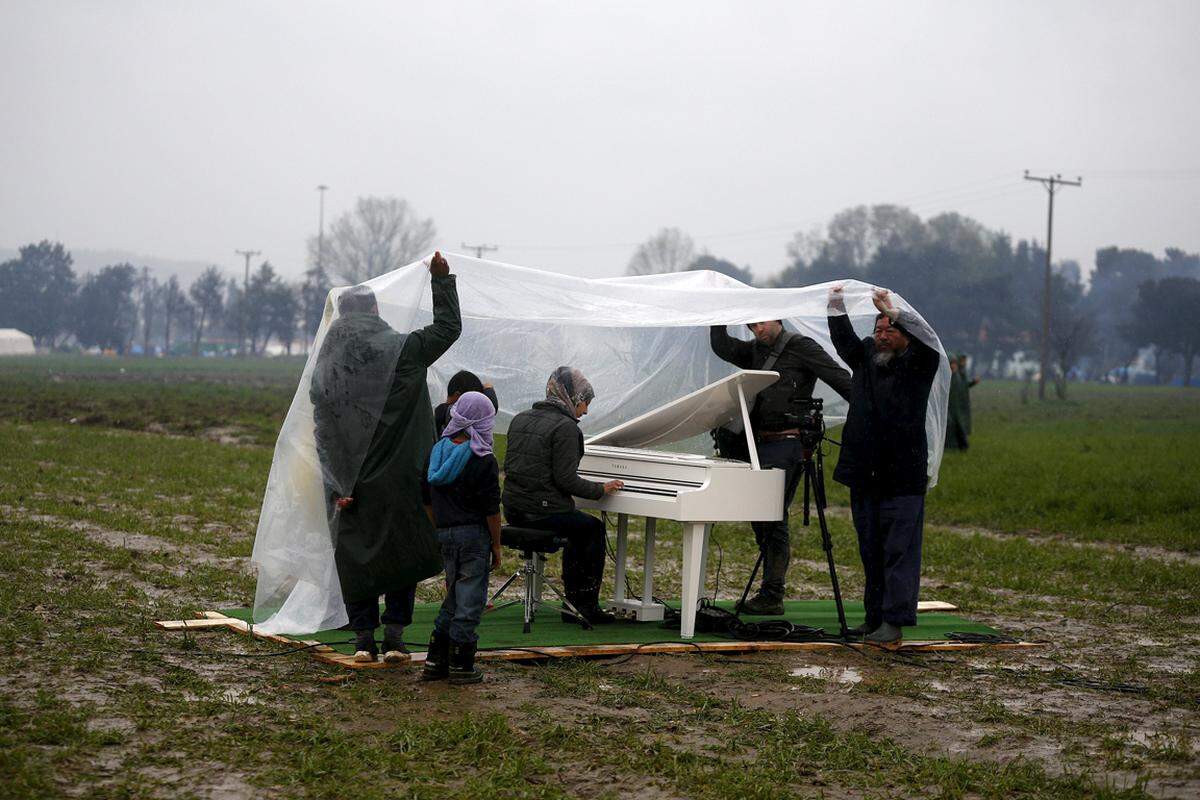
(669, 250)
(1071, 336)
(206, 295)
(377, 236)
(174, 302)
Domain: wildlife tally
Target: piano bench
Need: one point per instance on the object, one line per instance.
(534, 545)
(531, 540)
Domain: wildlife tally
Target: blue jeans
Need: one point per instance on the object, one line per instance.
(467, 554)
(889, 542)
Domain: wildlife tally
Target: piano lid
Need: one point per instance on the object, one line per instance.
(699, 412)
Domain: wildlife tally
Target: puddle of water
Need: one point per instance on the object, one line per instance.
(845, 675)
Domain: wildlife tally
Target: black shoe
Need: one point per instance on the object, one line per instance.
(394, 650)
(864, 629)
(761, 606)
(462, 664)
(887, 633)
(437, 660)
(596, 615)
(581, 620)
(365, 651)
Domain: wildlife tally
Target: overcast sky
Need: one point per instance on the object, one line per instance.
(567, 133)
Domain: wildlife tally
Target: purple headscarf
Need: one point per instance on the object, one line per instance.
(475, 414)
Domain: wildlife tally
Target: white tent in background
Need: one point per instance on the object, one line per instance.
(15, 343)
(642, 341)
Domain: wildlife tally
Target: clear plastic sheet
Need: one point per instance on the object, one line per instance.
(641, 341)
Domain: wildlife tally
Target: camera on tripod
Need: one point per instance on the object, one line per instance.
(806, 415)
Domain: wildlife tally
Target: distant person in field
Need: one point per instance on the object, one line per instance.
(462, 381)
(461, 491)
(971, 384)
(958, 410)
(884, 456)
(374, 430)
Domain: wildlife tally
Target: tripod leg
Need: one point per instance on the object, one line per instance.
(737, 610)
(811, 474)
(805, 497)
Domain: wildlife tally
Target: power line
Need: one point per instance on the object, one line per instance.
(1052, 184)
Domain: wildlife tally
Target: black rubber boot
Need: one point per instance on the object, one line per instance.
(761, 606)
(365, 650)
(588, 604)
(394, 650)
(885, 634)
(462, 664)
(864, 629)
(437, 660)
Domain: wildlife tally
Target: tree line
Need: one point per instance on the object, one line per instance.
(125, 308)
(980, 290)
(983, 292)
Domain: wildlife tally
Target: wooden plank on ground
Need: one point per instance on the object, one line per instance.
(935, 605)
(327, 655)
(533, 653)
(191, 624)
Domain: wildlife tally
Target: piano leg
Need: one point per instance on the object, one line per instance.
(693, 558)
(648, 562)
(622, 548)
(704, 558)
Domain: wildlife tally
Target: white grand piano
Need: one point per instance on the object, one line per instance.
(695, 490)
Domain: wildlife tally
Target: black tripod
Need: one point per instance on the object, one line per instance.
(813, 475)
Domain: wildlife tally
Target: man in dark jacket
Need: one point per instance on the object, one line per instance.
(884, 456)
(541, 482)
(800, 361)
(374, 428)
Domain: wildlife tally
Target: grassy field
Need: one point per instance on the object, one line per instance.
(1072, 523)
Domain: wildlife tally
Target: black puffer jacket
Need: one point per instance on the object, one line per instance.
(884, 449)
(541, 465)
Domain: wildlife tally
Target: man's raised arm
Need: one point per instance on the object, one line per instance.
(727, 348)
(849, 347)
(436, 338)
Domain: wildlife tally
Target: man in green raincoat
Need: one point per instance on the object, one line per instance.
(958, 411)
(374, 429)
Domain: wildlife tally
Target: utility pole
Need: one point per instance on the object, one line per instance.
(480, 249)
(321, 230)
(1052, 184)
(249, 254)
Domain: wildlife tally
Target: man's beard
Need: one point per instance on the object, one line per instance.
(883, 357)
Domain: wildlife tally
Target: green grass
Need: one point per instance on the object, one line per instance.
(1116, 464)
(246, 399)
(105, 527)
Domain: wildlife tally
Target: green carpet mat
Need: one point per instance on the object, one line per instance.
(500, 629)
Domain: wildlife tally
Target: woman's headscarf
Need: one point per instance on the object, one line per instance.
(475, 414)
(567, 388)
